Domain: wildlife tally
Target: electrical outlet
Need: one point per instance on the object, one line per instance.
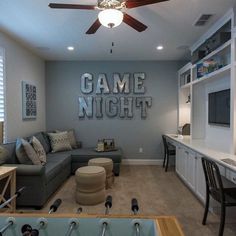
(141, 150)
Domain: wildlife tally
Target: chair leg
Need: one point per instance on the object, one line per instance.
(164, 161)
(222, 220)
(167, 162)
(206, 208)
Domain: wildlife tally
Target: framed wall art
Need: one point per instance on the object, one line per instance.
(29, 101)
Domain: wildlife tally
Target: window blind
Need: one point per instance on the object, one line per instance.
(1, 85)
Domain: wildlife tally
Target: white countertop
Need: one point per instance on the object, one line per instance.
(204, 149)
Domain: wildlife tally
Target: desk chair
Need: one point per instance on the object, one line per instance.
(214, 188)
(168, 151)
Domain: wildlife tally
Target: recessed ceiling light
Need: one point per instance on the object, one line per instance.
(70, 48)
(160, 47)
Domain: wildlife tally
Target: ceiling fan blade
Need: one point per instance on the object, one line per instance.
(139, 3)
(132, 22)
(94, 27)
(71, 6)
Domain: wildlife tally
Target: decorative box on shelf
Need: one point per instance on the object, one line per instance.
(207, 67)
(105, 145)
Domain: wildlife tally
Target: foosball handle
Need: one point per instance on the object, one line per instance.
(19, 191)
(26, 228)
(134, 205)
(34, 232)
(55, 205)
(79, 210)
(108, 202)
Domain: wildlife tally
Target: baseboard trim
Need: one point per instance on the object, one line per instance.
(149, 162)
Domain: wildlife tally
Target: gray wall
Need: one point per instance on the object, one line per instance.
(21, 64)
(63, 89)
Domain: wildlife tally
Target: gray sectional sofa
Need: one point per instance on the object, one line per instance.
(42, 181)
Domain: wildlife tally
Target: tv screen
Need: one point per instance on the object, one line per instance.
(219, 107)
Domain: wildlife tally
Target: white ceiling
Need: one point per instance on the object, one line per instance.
(49, 31)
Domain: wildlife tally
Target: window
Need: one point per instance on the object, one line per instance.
(2, 97)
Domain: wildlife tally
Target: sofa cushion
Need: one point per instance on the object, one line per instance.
(56, 163)
(38, 147)
(59, 141)
(52, 170)
(21, 153)
(62, 158)
(4, 155)
(32, 155)
(41, 138)
(11, 148)
(47, 146)
(85, 154)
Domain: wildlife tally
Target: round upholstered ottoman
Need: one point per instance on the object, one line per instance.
(90, 185)
(107, 163)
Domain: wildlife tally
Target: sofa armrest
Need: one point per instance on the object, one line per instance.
(30, 170)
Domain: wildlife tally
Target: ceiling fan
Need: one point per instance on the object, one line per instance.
(111, 14)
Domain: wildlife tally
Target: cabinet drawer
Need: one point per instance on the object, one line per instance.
(190, 151)
(230, 175)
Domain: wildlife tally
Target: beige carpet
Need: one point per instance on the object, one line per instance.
(158, 193)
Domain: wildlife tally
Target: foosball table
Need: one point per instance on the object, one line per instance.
(81, 224)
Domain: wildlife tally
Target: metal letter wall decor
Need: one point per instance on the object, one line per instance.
(121, 86)
(121, 105)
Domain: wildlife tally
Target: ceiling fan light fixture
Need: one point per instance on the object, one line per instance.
(110, 18)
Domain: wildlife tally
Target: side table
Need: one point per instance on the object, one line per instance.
(9, 174)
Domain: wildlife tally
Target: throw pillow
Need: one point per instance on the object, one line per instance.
(4, 155)
(21, 154)
(30, 152)
(59, 141)
(71, 137)
(38, 147)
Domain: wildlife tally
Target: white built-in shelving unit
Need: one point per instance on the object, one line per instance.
(197, 88)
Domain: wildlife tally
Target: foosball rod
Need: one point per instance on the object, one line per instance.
(5, 227)
(16, 195)
(27, 229)
(108, 205)
(135, 208)
(73, 224)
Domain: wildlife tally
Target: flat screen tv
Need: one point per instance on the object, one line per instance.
(219, 108)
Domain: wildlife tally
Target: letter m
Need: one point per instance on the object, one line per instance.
(121, 85)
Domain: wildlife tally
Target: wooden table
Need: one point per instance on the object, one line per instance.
(9, 174)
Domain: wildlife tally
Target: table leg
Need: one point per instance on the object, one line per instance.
(13, 190)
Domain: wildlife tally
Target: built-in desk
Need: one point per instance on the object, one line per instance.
(189, 166)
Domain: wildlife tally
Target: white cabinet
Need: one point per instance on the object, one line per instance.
(190, 172)
(177, 159)
(200, 180)
(180, 161)
(189, 168)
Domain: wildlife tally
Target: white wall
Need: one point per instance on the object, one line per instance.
(22, 65)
